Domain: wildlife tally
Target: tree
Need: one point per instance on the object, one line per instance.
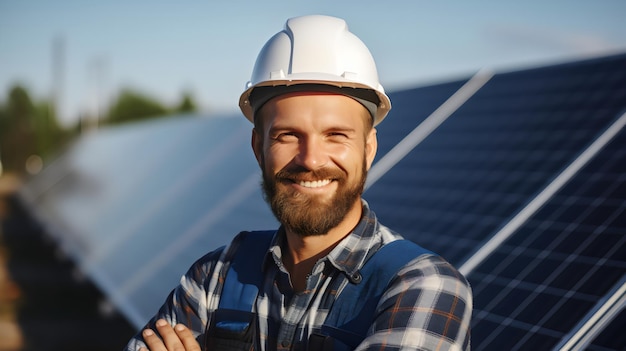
(131, 106)
(27, 129)
(17, 136)
(30, 129)
(187, 105)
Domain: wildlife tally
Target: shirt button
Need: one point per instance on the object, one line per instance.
(356, 278)
(284, 343)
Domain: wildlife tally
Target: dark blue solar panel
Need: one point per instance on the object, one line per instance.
(409, 109)
(486, 161)
(539, 283)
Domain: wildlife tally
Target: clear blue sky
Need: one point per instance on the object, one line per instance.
(208, 48)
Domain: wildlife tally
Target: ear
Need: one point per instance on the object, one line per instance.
(257, 146)
(371, 146)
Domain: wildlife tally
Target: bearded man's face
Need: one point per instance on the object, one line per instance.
(314, 151)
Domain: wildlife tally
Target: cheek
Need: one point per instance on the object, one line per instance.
(344, 157)
(277, 157)
(350, 158)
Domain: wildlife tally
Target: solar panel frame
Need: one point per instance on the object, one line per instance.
(588, 334)
(612, 337)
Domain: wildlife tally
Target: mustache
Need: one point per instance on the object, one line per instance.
(301, 173)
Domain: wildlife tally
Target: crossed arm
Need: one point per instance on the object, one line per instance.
(439, 308)
(178, 338)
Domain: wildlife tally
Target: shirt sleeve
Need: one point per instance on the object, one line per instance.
(428, 306)
(188, 302)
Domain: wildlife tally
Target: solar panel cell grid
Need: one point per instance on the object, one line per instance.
(410, 107)
(560, 263)
(494, 154)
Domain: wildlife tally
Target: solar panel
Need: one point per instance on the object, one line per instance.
(494, 153)
(134, 206)
(410, 108)
(537, 285)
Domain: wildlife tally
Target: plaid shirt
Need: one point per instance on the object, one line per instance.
(427, 306)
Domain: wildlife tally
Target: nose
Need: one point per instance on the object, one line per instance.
(312, 154)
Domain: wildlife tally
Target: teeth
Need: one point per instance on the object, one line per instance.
(315, 184)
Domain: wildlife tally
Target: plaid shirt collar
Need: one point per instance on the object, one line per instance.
(349, 255)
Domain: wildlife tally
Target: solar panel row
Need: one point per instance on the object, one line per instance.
(136, 205)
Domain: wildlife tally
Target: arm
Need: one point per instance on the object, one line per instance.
(177, 338)
(427, 306)
(187, 304)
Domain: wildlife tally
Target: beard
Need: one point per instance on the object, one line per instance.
(307, 214)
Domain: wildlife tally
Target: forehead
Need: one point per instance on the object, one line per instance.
(315, 108)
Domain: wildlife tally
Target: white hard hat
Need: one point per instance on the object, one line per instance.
(315, 53)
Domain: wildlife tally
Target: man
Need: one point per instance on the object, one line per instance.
(314, 99)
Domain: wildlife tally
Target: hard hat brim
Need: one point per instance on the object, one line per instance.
(384, 104)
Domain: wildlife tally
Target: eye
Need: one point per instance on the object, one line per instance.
(286, 137)
(339, 136)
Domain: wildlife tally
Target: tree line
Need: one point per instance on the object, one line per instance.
(30, 133)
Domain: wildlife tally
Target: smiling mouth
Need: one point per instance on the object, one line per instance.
(315, 183)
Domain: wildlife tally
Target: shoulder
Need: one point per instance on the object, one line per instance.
(209, 271)
(434, 272)
(250, 241)
(432, 281)
(213, 261)
(431, 298)
(421, 265)
(242, 241)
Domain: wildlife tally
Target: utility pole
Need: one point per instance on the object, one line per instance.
(99, 98)
(58, 71)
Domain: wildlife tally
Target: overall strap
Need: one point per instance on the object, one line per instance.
(353, 310)
(234, 326)
(244, 276)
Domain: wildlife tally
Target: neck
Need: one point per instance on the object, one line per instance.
(304, 251)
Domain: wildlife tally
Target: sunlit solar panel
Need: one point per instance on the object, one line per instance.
(135, 206)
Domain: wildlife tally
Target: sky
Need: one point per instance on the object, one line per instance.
(83, 53)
